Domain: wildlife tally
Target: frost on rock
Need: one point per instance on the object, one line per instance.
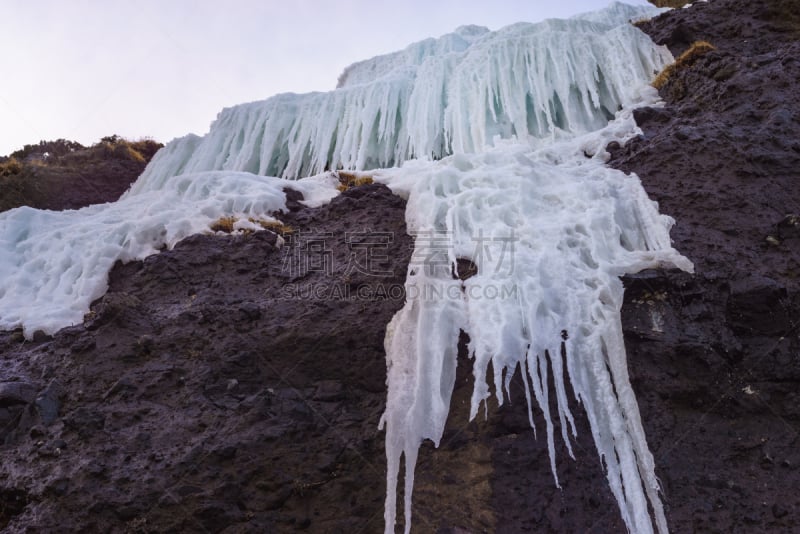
(550, 232)
(440, 96)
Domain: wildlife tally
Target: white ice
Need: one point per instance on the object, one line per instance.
(550, 230)
(53, 264)
(440, 96)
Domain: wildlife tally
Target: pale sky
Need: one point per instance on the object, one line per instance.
(84, 69)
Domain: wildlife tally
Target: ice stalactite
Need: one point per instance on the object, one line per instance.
(550, 232)
(440, 96)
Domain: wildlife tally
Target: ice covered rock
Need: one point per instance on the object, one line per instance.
(497, 141)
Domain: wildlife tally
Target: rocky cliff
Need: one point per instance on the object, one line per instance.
(234, 383)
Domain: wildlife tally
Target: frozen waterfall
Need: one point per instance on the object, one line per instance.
(440, 96)
(496, 138)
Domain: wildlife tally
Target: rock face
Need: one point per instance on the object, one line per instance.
(714, 357)
(235, 383)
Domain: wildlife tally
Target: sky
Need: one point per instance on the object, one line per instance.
(84, 69)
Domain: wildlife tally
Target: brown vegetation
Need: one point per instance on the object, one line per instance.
(273, 226)
(223, 224)
(10, 167)
(697, 49)
(351, 179)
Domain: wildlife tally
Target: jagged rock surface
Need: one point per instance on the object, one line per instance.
(209, 388)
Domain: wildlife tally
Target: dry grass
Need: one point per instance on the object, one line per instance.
(119, 148)
(273, 226)
(145, 147)
(351, 179)
(126, 151)
(224, 224)
(697, 49)
(10, 167)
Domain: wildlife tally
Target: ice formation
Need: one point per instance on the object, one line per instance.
(53, 264)
(500, 136)
(436, 97)
(550, 231)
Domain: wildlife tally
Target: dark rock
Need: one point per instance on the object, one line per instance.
(293, 199)
(725, 371)
(250, 311)
(16, 393)
(779, 511)
(58, 487)
(40, 337)
(788, 227)
(723, 73)
(48, 402)
(12, 503)
(226, 453)
(119, 386)
(329, 391)
(757, 304)
(85, 421)
(685, 133)
(18, 336)
(82, 345)
(114, 306)
(464, 269)
(644, 115)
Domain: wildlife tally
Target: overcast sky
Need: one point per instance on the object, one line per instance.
(83, 69)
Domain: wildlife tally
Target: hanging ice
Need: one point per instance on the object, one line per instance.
(550, 231)
(53, 264)
(437, 97)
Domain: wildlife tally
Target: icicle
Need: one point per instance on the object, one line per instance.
(550, 232)
(421, 364)
(440, 96)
